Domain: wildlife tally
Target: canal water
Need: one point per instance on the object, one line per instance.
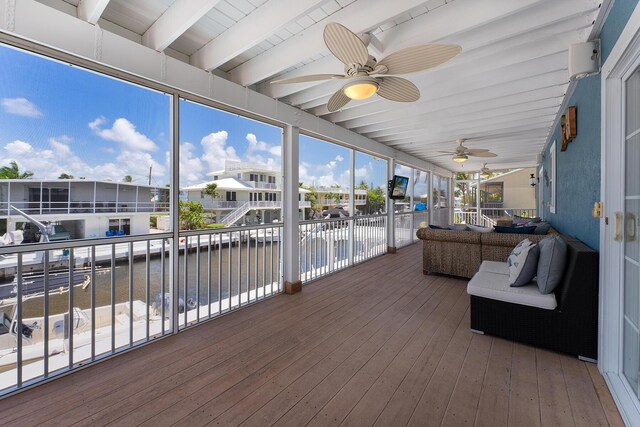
(214, 272)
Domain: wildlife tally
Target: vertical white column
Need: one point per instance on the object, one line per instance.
(430, 198)
(391, 229)
(290, 207)
(411, 203)
(352, 203)
(478, 211)
(174, 268)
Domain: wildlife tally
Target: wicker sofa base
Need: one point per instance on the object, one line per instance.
(571, 328)
(530, 325)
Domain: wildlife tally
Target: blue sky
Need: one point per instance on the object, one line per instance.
(56, 118)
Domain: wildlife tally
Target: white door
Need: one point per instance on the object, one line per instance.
(619, 337)
(627, 225)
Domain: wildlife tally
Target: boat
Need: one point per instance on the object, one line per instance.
(58, 282)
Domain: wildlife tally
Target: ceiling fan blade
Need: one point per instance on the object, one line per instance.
(447, 152)
(337, 101)
(483, 154)
(345, 45)
(418, 58)
(477, 150)
(398, 89)
(308, 78)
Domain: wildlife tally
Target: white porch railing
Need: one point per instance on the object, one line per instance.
(489, 217)
(76, 302)
(330, 245)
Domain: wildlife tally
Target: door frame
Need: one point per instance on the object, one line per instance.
(623, 59)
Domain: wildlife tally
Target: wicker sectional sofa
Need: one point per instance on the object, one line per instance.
(460, 253)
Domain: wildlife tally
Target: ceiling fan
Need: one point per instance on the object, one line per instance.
(366, 76)
(485, 171)
(462, 153)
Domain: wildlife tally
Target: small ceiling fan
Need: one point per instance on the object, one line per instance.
(485, 171)
(367, 76)
(462, 153)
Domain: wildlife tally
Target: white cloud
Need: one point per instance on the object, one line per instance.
(60, 145)
(216, 151)
(49, 163)
(339, 158)
(18, 148)
(123, 132)
(191, 167)
(20, 107)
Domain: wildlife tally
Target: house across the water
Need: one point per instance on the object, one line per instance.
(84, 208)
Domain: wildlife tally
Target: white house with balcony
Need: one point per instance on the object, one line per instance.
(85, 208)
(247, 193)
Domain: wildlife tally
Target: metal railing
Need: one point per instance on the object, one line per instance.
(489, 217)
(403, 228)
(82, 207)
(75, 302)
(225, 269)
(330, 245)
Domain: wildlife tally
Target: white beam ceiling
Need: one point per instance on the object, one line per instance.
(502, 92)
(91, 10)
(357, 17)
(257, 26)
(175, 21)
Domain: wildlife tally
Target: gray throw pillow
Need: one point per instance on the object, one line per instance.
(541, 227)
(523, 263)
(551, 263)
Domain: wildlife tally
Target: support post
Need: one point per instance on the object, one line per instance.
(290, 208)
(175, 213)
(391, 228)
(430, 198)
(352, 204)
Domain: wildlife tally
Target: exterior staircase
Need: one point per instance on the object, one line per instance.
(236, 214)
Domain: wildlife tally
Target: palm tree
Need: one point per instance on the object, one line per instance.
(211, 190)
(13, 172)
(65, 176)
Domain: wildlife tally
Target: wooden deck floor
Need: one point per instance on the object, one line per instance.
(377, 344)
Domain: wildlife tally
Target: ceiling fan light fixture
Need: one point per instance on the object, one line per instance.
(361, 88)
(460, 158)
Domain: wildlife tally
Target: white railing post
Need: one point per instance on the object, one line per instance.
(352, 206)
(290, 209)
(411, 203)
(174, 209)
(391, 235)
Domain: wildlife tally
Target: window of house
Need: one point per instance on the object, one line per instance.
(253, 177)
(251, 197)
(552, 178)
(260, 197)
(493, 192)
(272, 179)
(231, 196)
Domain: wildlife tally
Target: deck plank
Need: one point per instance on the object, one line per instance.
(375, 344)
(524, 403)
(493, 408)
(463, 404)
(555, 407)
(608, 405)
(582, 393)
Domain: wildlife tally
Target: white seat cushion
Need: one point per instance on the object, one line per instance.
(496, 286)
(494, 267)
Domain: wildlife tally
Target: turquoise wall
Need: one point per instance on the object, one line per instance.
(578, 168)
